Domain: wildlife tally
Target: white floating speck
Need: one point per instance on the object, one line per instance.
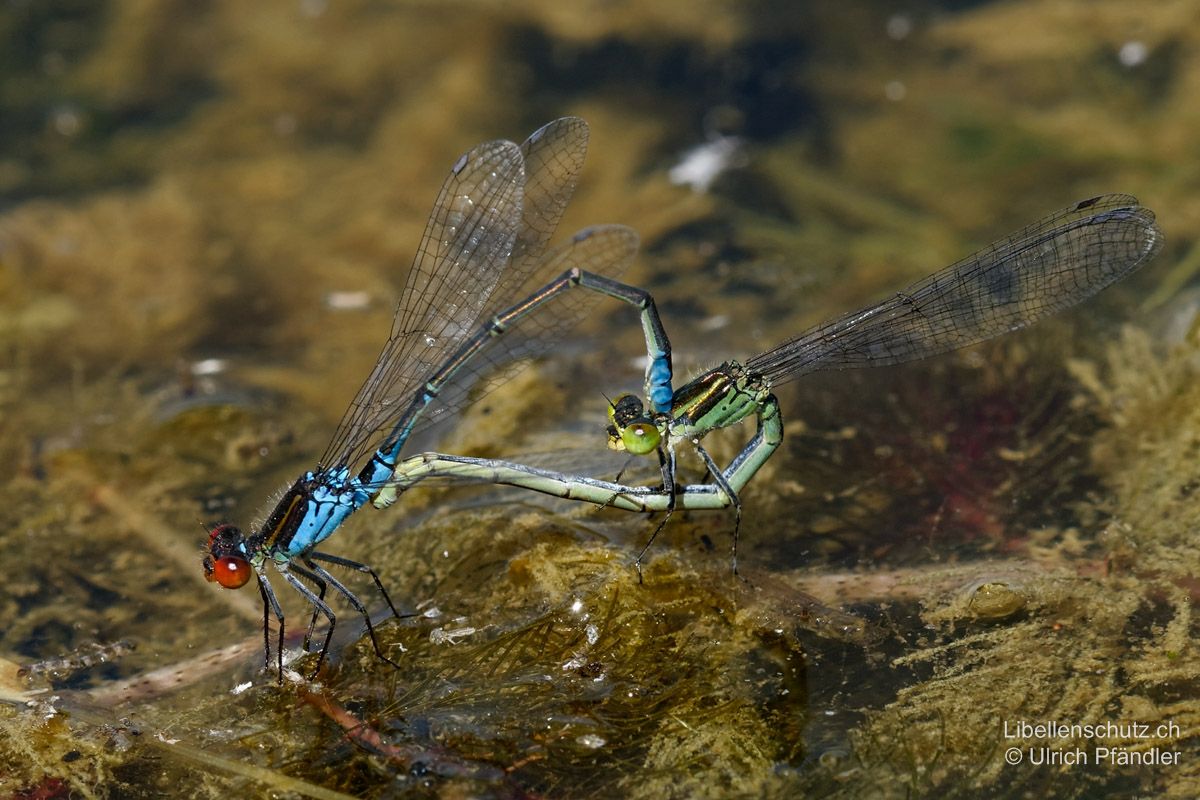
(1132, 53)
(702, 164)
(209, 366)
(714, 323)
(348, 301)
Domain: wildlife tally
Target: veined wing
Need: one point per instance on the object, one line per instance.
(1040, 270)
(465, 247)
(554, 157)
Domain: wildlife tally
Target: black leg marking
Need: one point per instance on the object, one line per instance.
(318, 603)
(625, 466)
(360, 567)
(312, 623)
(354, 601)
(270, 605)
(719, 479)
(666, 460)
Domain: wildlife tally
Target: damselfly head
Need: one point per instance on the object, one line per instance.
(226, 562)
(631, 430)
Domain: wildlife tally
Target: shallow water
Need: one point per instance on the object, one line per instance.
(937, 554)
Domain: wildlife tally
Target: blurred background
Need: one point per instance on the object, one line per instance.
(208, 209)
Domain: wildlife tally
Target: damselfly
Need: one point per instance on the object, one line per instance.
(1040, 270)
(483, 247)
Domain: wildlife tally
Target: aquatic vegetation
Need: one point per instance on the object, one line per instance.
(932, 551)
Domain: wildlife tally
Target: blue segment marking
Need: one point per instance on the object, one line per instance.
(658, 384)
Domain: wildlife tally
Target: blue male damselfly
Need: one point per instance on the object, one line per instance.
(484, 247)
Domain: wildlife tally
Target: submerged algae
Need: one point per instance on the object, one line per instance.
(1103, 636)
(263, 185)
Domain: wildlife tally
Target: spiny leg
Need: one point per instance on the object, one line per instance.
(317, 602)
(354, 601)
(270, 604)
(734, 500)
(621, 472)
(360, 567)
(312, 623)
(666, 461)
(610, 500)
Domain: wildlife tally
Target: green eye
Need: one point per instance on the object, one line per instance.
(640, 438)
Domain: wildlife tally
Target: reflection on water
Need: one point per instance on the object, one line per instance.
(1001, 535)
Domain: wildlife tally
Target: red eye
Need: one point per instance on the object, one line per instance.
(229, 571)
(226, 562)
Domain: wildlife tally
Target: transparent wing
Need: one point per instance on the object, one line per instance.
(467, 242)
(554, 157)
(1040, 270)
(605, 250)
